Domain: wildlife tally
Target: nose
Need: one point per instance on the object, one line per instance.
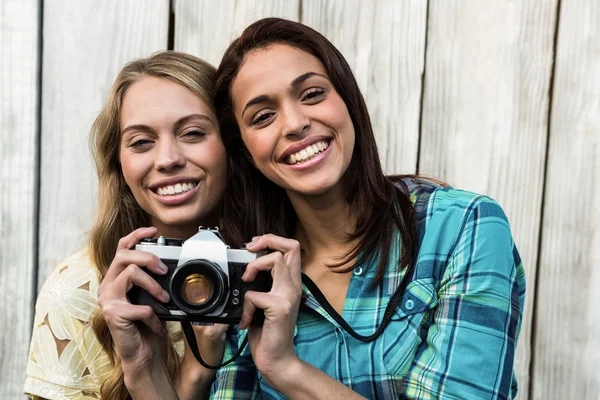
(295, 121)
(169, 155)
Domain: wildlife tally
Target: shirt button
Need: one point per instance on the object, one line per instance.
(409, 304)
(358, 271)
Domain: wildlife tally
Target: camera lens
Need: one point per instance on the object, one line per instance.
(196, 289)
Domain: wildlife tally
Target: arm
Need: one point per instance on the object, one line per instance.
(272, 344)
(59, 365)
(239, 379)
(473, 337)
(139, 335)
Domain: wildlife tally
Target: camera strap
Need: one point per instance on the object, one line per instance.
(389, 311)
(190, 336)
(320, 297)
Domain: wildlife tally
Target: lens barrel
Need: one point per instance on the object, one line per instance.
(198, 286)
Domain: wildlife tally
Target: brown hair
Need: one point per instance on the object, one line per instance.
(254, 205)
(118, 211)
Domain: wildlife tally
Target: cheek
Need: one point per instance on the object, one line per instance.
(213, 158)
(260, 147)
(134, 169)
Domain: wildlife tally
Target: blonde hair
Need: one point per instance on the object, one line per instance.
(118, 212)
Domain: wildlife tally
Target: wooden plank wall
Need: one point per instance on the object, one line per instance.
(19, 62)
(498, 97)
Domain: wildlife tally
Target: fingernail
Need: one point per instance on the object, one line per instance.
(163, 267)
(165, 295)
(251, 244)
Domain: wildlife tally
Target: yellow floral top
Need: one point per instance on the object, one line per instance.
(66, 361)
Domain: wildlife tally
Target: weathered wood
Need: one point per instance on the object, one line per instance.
(566, 339)
(384, 43)
(19, 62)
(485, 115)
(85, 45)
(206, 27)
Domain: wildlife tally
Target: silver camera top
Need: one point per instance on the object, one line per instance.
(206, 244)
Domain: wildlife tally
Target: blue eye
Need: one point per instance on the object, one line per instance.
(195, 134)
(140, 143)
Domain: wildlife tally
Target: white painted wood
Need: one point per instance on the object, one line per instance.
(19, 63)
(485, 114)
(85, 45)
(384, 43)
(205, 28)
(567, 336)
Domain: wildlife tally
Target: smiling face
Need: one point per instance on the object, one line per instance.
(293, 122)
(171, 155)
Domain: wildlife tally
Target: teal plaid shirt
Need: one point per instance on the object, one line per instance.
(455, 332)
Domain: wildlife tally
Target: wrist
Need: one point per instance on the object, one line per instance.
(285, 375)
(150, 382)
(193, 380)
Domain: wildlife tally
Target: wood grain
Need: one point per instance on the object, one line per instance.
(19, 62)
(384, 43)
(85, 45)
(567, 344)
(485, 115)
(205, 28)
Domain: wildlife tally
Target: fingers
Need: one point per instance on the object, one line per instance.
(288, 248)
(119, 314)
(124, 257)
(135, 237)
(275, 263)
(274, 242)
(275, 307)
(134, 275)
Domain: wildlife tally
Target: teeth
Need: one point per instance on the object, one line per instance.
(175, 189)
(308, 152)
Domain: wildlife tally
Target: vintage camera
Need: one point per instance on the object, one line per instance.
(204, 279)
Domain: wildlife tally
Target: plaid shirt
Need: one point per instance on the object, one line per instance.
(455, 332)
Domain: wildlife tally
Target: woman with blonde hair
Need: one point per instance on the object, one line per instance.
(161, 169)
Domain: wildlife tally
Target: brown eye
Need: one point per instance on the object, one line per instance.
(313, 94)
(261, 117)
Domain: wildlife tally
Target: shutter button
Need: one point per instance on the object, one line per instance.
(409, 304)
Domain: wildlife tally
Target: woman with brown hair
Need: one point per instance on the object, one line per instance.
(383, 287)
(162, 169)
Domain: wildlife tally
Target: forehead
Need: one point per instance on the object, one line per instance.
(153, 97)
(271, 68)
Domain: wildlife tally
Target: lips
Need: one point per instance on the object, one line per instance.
(321, 143)
(307, 153)
(169, 190)
(163, 195)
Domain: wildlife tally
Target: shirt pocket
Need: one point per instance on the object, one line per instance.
(408, 326)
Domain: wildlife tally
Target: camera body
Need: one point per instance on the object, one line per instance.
(204, 279)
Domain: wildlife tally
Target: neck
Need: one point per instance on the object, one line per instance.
(187, 230)
(324, 223)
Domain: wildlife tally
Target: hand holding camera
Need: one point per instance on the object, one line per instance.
(204, 279)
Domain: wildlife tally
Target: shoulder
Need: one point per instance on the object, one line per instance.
(66, 360)
(70, 291)
(444, 214)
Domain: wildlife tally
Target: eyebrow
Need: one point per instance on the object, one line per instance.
(178, 124)
(295, 82)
